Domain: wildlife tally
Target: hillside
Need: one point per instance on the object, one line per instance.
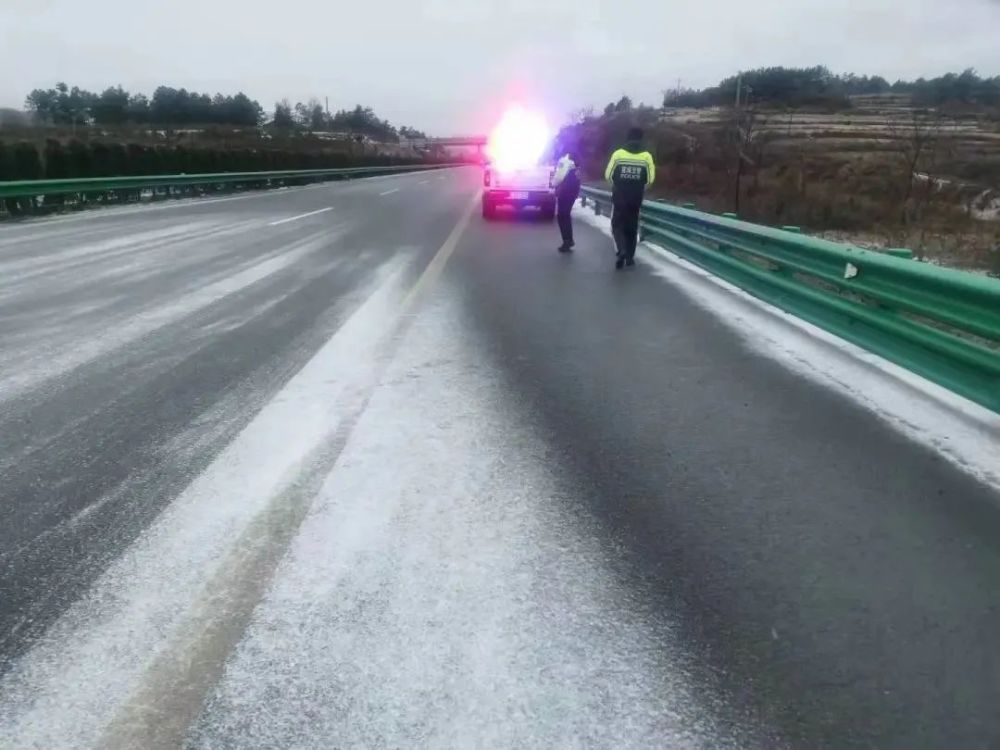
(882, 171)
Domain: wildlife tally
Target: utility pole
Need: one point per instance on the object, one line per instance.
(738, 137)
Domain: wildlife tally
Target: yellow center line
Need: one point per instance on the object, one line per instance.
(171, 693)
(433, 271)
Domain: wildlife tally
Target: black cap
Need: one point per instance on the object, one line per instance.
(634, 134)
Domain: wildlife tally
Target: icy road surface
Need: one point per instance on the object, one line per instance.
(347, 467)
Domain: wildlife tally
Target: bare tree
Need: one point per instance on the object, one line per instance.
(758, 150)
(747, 142)
(917, 140)
(694, 146)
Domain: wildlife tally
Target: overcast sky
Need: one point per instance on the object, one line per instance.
(447, 66)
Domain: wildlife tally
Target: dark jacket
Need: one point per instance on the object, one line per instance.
(567, 180)
(569, 189)
(630, 170)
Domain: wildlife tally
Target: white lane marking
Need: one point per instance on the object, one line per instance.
(300, 216)
(133, 631)
(390, 192)
(47, 365)
(173, 203)
(423, 182)
(118, 211)
(125, 211)
(67, 255)
(159, 713)
(111, 637)
(963, 432)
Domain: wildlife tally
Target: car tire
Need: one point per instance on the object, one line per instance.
(549, 214)
(489, 211)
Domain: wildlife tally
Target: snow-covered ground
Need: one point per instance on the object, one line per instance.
(389, 553)
(395, 564)
(70, 687)
(961, 431)
(459, 599)
(67, 308)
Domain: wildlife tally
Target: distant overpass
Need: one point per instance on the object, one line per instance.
(474, 141)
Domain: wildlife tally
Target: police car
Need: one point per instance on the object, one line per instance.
(519, 188)
(517, 173)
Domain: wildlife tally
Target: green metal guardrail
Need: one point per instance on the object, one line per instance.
(97, 185)
(941, 323)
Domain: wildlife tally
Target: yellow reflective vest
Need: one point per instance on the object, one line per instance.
(630, 172)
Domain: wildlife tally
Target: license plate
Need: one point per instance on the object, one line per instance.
(518, 196)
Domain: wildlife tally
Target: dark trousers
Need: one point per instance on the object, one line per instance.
(564, 207)
(625, 228)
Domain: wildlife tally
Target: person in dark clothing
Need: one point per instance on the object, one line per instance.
(567, 184)
(630, 171)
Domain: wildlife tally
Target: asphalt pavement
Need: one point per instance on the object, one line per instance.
(347, 465)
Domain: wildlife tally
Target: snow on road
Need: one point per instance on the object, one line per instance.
(447, 590)
(124, 289)
(961, 431)
(51, 263)
(149, 603)
(385, 556)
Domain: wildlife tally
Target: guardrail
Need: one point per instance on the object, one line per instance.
(941, 323)
(22, 189)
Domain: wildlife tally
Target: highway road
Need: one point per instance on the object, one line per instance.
(347, 466)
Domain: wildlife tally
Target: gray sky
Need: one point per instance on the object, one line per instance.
(448, 66)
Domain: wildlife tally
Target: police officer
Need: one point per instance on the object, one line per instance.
(567, 184)
(630, 170)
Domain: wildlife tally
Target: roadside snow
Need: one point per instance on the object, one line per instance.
(447, 590)
(961, 431)
(389, 553)
(986, 206)
(66, 690)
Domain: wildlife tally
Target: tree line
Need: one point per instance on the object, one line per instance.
(65, 105)
(76, 159)
(359, 121)
(817, 86)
